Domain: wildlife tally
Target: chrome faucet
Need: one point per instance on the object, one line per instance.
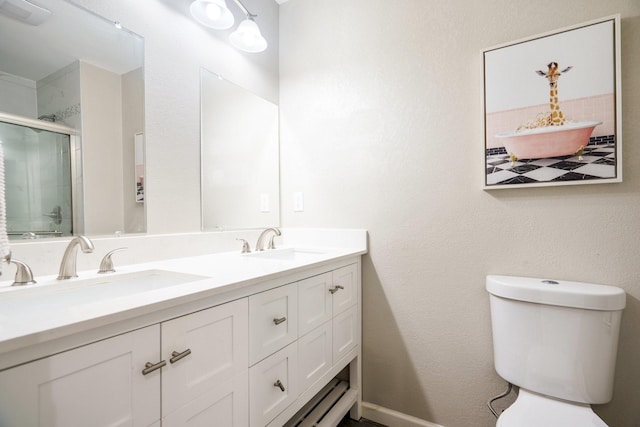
(24, 276)
(260, 242)
(68, 264)
(106, 265)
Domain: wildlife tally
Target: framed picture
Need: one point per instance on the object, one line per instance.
(552, 108)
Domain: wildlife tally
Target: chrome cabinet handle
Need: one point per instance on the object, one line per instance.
(280, 320)
(175, 356)
(336, 289)
(150, 367)
(279, 384)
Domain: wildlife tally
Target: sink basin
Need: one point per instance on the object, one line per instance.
(78, 292)
(289, 254)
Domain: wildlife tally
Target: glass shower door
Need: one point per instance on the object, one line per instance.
(38, 187)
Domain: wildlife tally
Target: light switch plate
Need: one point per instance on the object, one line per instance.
(298, 202)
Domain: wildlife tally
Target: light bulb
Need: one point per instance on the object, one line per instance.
(249, 38)
(213, 11)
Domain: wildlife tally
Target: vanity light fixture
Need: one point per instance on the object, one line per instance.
(215, 14)
(247, 36)
(212, 13)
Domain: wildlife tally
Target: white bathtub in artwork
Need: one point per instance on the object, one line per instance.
(549, 141)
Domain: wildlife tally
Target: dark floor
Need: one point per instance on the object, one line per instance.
(347, 422)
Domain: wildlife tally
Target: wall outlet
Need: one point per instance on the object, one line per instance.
(264, 202)
(298, 202)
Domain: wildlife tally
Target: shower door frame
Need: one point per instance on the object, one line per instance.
(77, 226)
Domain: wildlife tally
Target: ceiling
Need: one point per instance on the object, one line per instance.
(70, 33)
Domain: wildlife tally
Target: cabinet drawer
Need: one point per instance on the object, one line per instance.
(273, 385)
(203, 350)
(314, 302)
(346, 332)
(314, 355)
(345, 285)
(226, 405)
(273, 321)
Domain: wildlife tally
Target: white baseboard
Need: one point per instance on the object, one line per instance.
(393, 418)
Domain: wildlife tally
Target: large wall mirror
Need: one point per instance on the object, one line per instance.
(240, 157)
(72, 109)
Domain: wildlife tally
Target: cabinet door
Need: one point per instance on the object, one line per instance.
(345, 288)
(346, 332)
(314, 302)
(203, 350)
(100, 384)
(273, 385)
(273, 321)
(315, 353)
(224, 406)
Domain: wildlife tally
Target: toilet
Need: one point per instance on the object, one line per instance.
(557, 341)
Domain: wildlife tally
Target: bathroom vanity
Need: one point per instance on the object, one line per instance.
(227, 339)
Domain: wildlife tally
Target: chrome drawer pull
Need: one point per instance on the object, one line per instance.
(336, 289)
(177, 356)
(150, 367)
(280, 320)
(279, 384)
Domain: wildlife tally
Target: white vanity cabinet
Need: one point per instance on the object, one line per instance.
(196, 365)
(323, 311)
(249, 356)
(100, 384)
(273, 385)
(205, 379)
(328, 319)
(273, 316)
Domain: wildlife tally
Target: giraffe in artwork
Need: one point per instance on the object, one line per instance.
(555, 118)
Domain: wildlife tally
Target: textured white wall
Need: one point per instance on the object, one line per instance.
(18, 95)
(381, 128)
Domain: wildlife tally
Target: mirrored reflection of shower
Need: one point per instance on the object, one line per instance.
(38, 181)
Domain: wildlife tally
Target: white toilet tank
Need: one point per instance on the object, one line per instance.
(557, 338)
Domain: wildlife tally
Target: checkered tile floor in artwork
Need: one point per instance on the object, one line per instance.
(598, 161)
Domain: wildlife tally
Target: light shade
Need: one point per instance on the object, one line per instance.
(212, 13)
(247, 37)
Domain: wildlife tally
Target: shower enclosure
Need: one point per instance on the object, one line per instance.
(40, 183)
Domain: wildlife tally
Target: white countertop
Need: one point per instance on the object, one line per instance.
(51, 308)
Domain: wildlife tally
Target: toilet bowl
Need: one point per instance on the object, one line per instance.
(557, 341)
(534, 410)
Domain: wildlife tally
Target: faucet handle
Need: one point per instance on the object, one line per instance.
(106, 265)
(24, 276)
(245, 246)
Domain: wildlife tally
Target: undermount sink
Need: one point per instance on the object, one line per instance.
(78, 292)
(290, 254)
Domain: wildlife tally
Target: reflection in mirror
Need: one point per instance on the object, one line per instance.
(240, 157)
(38, 174)
(73, 69)
(139, 165)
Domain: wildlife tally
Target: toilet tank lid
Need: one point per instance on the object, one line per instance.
(557, 292)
